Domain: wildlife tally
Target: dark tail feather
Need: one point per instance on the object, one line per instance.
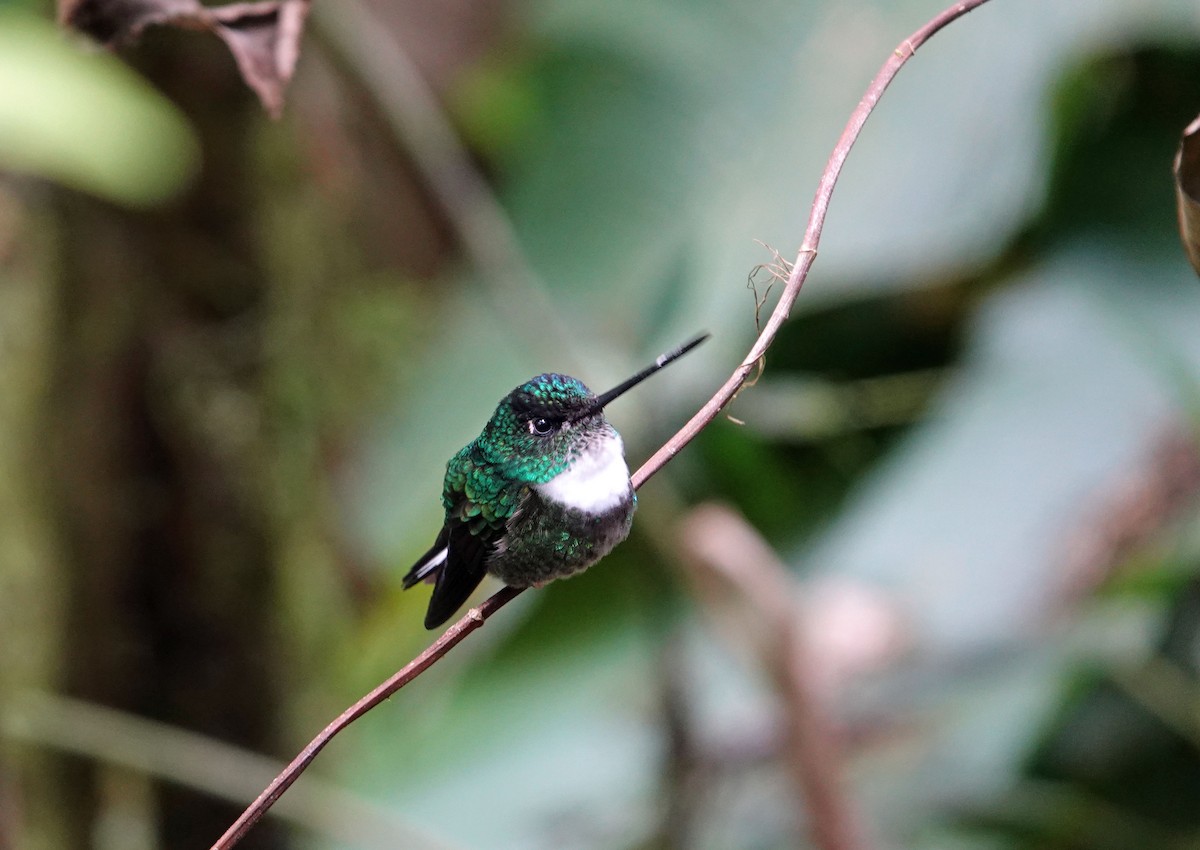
(455, 584)
(429, 563)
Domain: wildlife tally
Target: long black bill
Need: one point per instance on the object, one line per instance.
(662, 361)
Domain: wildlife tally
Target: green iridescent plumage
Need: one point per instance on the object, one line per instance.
(477, 494)
(542, 493)
(495, 519)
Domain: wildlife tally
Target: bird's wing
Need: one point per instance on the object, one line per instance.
(479, 502)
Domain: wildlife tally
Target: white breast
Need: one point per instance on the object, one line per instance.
(596, 482)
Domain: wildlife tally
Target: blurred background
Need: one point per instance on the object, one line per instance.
(235, 354)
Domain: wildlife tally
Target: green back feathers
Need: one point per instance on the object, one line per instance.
(477, 494)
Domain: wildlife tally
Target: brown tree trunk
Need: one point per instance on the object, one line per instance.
(161, 465)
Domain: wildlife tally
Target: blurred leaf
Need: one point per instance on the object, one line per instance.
(681, 152)
(1063, 388)
(497, 108)
(85, 120)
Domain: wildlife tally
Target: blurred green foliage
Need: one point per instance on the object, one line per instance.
(84, 120)
(224, 420)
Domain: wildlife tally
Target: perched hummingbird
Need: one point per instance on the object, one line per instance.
(542, 493)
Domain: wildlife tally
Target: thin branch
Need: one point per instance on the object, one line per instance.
(737, 570)
(812, 236)
(804, 260)
(472, 620)
(1130, 511)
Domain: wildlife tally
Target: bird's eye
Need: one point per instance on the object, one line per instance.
(541, 427)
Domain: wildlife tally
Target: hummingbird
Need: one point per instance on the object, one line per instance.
(542, 493)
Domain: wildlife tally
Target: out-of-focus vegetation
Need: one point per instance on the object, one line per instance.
(235, 355)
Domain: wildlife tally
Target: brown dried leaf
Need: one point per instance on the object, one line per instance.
(264, 37)
(265, 40)
(1187, 191)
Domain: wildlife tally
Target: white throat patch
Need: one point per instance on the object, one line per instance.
(598, 480)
